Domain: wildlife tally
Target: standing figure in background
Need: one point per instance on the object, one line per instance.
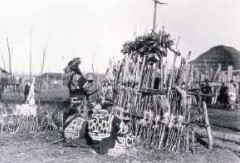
(232, 94)
(223, 97)
(26, 91)
(183, 95)
(206, 89)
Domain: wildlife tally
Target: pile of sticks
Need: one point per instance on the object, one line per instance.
(150, 98)
(22, 123)
(19, 123)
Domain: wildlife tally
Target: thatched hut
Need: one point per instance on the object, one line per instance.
(224, 55)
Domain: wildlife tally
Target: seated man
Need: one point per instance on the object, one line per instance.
(104, 127)
(76, 130)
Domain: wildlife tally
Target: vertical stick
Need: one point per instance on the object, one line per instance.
(193, 141)
(141, 74)
(62, 73)
(162, 75)
(3, 60)
(187, 141)
(40, 81)
(173, 69)
(162, 136)
(156, 2)
(206, 69)
(154, 15)
(30, 58)
(208, 128)
(10, 70)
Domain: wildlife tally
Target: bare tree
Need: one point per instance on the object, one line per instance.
(30, 58)
(3, 60)
(16, 96)
(41, 72)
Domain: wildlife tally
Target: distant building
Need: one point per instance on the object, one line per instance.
(224, 55)
(53, 78)
(5, 77)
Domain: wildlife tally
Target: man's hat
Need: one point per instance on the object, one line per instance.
(104, 101)
(90, 77)
(107, 102)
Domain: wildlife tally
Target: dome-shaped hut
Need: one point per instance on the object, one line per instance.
(224, 55)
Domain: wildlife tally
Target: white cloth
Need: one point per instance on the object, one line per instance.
(30, 98)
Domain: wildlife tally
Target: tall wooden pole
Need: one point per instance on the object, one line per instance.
(40, 81)
(154, 15)
(62, 73)
(3, 60)
(10, 70)
(173, 70)
(30, 58)
(156, 2)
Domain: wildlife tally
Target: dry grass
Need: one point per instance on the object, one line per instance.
(225, 118)
(37, 147)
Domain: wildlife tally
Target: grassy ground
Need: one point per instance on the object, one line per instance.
(37, 147)
(45, 95)
(225, 118)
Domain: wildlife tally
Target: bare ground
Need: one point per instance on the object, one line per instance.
(229, 119)
(37, 147)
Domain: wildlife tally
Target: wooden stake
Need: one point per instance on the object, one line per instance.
(173, 70)
(208, 128)
(141, 74)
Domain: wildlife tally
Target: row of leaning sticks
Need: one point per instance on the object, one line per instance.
(22, 123)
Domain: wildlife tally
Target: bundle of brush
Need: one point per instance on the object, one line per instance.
(142, 58)
(151, 43)
(150, 50)
(23, 123)
(19, 123)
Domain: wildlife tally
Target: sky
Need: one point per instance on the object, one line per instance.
(95, 30)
